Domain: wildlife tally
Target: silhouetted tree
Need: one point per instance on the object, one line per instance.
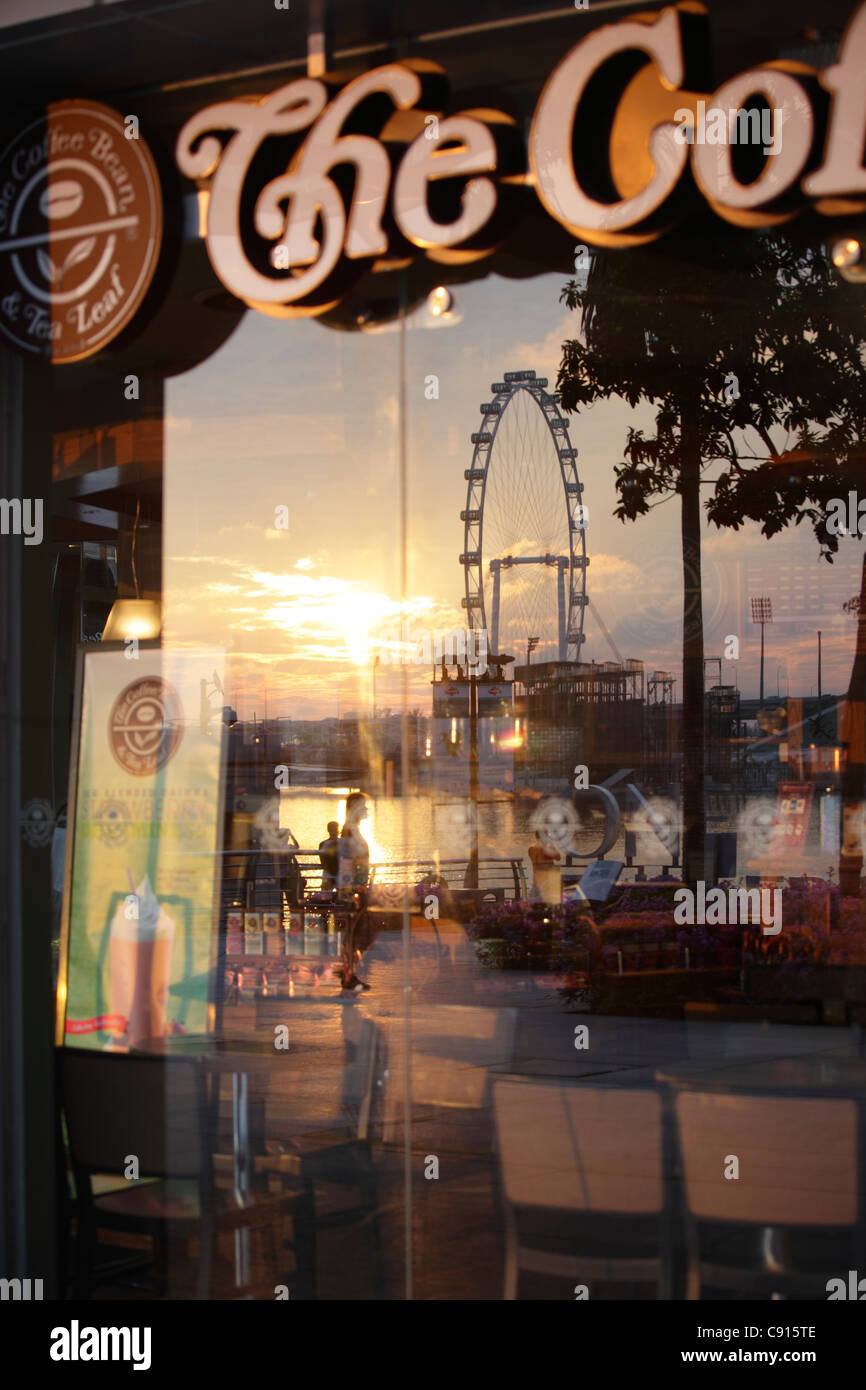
(752, 351)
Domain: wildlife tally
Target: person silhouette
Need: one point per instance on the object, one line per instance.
(353, 873)
(329, 852)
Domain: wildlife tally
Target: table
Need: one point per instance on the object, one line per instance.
(236, 1057)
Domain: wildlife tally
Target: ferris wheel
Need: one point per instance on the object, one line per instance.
(524, 551)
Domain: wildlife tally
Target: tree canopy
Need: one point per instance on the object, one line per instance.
(752, 351)
(767, 309)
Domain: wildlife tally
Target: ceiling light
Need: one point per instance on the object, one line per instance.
(440, 301)
(846, 253)
(133, 617)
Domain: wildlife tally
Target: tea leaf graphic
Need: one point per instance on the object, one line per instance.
(80, 251)
(46, 265)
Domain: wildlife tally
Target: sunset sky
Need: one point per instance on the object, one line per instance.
(298, 415)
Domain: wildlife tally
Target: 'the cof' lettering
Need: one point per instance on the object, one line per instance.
(324, 230)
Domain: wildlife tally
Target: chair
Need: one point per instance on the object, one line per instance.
(791, 1219)
(583, 1174)
(238, 879)
(453, 1048)
(344, 1156)
(157, 1109)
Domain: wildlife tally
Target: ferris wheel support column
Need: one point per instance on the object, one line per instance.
(472, 866)
(495, 567)
(561, 567)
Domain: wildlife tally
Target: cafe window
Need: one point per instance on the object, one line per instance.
(452, 557)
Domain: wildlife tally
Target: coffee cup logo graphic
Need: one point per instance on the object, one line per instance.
(80, 231)
(145, 727)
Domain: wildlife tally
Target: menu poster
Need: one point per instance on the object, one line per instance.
(143, 847)
(792, 817)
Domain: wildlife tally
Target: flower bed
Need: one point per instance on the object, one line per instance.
(652, 896)
(536, 936)
(806, 961)
(532, 935)
(637, 957)
(812, 903)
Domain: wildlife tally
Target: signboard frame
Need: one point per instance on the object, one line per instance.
(85, 653)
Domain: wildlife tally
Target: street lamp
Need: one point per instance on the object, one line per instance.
(531, 644)
(762, 612)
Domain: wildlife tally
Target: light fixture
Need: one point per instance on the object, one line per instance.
(847, 252)
(440, 301)
(762, 612)
(133, 617)
(848, 257)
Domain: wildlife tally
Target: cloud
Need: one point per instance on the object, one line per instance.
(614, 572)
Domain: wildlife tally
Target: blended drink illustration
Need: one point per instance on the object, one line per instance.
(139, 954)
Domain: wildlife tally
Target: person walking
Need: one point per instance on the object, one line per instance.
(353, 873)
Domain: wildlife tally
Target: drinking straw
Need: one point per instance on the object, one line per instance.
(131, 880)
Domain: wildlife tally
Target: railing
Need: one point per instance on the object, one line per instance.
(250, 875)
(507, 874)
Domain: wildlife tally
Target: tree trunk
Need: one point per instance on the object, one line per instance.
(693, 647)
(854, 765)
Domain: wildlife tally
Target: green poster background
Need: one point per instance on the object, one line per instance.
(147, 810)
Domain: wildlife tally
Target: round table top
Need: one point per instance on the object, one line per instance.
(825, 1072)
(226, 1052)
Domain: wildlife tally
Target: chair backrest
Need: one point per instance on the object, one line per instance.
(796, 1159)
(118, 1105)
(568, 1147)
(453, 1048)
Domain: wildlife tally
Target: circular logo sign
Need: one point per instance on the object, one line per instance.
(37, 822)
(112, 823)
(145, 727)
(80, 230)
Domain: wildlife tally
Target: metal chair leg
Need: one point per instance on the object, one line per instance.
(304, 1240)
(206, 1254)
(84, 1252)
(370, 1205)
(512, 1258)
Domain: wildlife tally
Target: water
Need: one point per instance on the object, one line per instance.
(424, 829)
(421, 828)
(414, 828)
